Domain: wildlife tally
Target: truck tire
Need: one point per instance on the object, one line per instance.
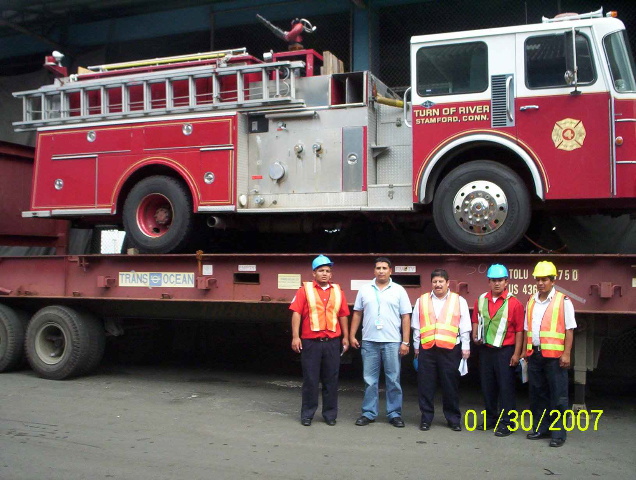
(97, 339)
(12, 327)
(158, 215)
(481, 207)
(62, 343)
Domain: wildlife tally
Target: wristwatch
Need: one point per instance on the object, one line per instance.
(406, 343)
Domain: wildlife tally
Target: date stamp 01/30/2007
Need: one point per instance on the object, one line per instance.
(568, 420)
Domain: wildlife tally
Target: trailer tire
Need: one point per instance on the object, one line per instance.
(158, 215)
(482, 207)
(62, 342)
(12, 327)
(97, 339)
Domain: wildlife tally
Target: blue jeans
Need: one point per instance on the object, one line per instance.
(375, 355)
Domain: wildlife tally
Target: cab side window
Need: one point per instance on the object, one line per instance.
(546, 62)
(452, 69)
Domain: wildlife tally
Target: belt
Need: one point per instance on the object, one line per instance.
(321, 339)
(536, 348)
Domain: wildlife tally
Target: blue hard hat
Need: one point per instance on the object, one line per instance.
(320, 261)
(497, 271)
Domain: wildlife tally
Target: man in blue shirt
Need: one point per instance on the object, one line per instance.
(384, 308)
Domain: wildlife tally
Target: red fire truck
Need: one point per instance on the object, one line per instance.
(497, 124)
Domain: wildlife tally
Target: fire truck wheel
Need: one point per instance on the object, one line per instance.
(158, 215)
(482, 207)
(62, 342)
(12, 327)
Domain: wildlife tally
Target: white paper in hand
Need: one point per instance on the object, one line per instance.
(480, 327)
(463, 367)
(524, 370)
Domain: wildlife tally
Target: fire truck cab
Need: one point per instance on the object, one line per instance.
(510, 117)
(496, 123)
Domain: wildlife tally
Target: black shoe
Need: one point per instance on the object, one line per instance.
(362, 421)
(537, 435)
(455, 427)
(397, 422)
(331, 422)
(557, 442)
(503, 431)
(306, 422)
(425, 427)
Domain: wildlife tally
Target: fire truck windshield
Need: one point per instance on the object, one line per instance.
(621, 61)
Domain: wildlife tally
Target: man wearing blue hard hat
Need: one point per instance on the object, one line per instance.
(498, 327)
(320, 318)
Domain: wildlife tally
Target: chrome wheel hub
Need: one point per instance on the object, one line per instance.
(480, 207)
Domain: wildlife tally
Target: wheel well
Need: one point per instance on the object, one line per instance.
(142, 173)
(471, 151)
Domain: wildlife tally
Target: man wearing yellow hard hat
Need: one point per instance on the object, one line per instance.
(549, 325)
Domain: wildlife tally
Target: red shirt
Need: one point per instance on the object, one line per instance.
(515, 315)
(299, 304)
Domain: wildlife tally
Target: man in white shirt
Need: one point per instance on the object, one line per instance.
(385, 308)
(550, 325)
(441, 327)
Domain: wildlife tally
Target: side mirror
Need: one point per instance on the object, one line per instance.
(571, 72)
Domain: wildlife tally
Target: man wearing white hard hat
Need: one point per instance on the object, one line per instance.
(320, 318)
(498, 326)
(549, 325)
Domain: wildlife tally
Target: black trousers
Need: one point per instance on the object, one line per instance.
(439, 365)
(497, 383)
(321, 364)
(548, 391)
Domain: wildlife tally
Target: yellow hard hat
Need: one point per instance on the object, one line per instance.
(544, 269)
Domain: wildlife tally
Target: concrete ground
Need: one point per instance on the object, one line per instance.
(190, 422)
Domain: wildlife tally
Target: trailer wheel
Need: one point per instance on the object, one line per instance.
(482, 207)
(62, 342)
(158, 215)
(12, 327)
(97, 342)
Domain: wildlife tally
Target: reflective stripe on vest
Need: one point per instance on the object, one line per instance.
(495, 328)
(552, 333)
(321, 316)
(443, 331)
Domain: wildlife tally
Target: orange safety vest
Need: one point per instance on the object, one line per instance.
(321, 316)
(552, 333)
(443, 331)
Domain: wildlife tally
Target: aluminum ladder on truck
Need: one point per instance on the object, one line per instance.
(77, 100)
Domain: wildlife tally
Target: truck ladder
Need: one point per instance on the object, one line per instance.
(199, 88)
(195, 57)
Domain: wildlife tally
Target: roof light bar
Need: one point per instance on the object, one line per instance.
(564, 17)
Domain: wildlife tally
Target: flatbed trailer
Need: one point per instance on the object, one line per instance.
(64, 306)
(57, 310)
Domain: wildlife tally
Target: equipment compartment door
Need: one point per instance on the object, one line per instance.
(63, 181)
(216, 168)
(567, 129)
